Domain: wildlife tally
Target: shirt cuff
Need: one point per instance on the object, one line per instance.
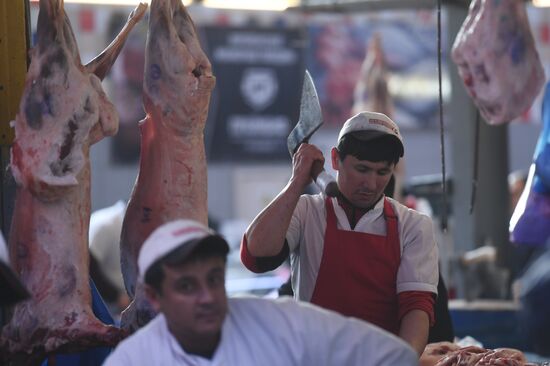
(262, 264)
(417, 300)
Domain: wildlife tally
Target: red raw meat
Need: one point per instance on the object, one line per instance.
(449, 354)
(497, 59)
(63, 111)
(172, 180)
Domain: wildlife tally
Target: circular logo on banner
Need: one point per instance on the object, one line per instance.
(259, 87)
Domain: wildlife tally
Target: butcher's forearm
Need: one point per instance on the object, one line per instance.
(266, 234)
(414, 329)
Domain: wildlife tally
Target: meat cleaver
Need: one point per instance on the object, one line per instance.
(310, 120)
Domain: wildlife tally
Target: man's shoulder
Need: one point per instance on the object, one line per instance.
(253, 306)
(247, 302)
(311, 202)
(318, 198)
(291, 323)
(141, 343)
(264, 308)
(254, 314)
(405, 212)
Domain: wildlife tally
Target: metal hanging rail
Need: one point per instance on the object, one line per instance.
(372, 5)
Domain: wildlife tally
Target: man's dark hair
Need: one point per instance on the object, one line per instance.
(384, 148)
(210, 247)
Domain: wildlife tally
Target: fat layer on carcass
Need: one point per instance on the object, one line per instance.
(497, 59)
(62, 112)
(172, 179)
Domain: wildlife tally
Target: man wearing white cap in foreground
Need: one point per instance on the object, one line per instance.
(183, 265)
(361, 254)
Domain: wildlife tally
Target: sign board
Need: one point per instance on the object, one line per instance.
(259, 74)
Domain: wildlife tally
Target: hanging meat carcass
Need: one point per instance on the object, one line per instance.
(372, 94)
(62, 112)
(371, 91)
(497, 59)
(172, 180)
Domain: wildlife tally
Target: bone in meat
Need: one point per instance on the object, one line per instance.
(497, 59)
(62, 112)
(171, 183)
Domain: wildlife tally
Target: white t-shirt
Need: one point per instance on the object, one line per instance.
(418, 270)
(263, 332)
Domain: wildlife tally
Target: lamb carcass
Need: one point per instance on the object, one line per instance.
(172, 182)
(372, 94)
(371, 91)
(497, 59)
(62, 112)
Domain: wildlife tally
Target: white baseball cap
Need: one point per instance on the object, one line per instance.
(172, 235)
(369, 125)
(11, 288)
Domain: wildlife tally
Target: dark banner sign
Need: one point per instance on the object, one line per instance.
(255, 104)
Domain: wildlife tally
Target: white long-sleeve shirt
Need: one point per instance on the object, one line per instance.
(263, 332)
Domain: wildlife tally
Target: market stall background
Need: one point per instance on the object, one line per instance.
(332, 47)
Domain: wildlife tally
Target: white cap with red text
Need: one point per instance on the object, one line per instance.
(168, 237)
(369, 125)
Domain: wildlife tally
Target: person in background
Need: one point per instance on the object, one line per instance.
(516, 184)
(524, 253)
(104, 241)
(361, 254)
(534, 297)
(183, 265)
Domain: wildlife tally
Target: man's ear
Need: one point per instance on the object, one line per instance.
(153, 297)
(335, 158)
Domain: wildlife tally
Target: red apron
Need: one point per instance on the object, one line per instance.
(358, 272)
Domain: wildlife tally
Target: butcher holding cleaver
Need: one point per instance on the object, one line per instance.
(352, 249)
(311, 118)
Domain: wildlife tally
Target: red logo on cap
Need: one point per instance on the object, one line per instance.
(383, 123)
(186, 231)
